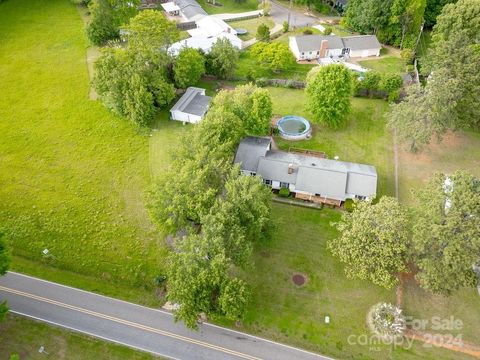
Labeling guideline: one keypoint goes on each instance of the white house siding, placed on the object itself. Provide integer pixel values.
(181, 116)
(365, 53)
(292, 43)
(276, 185)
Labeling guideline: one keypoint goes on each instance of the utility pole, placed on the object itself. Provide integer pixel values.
(289, 12)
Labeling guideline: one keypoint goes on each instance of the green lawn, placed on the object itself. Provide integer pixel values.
(251, 26)
(73, 175)
(363, 138)
(387, 64)
(282, 311)
(24, 337)
(228, 6)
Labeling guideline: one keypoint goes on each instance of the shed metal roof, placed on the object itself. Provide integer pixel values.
(193, 102)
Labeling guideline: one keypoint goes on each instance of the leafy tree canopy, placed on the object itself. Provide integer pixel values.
(446, 234)
(373, 242)
(329, 92)
(222, 59)
(151, 31)
(188, 68)
(275, 56)
(263, 33)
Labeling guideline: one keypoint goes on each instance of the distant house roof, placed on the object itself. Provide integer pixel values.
(211, 26)
(190, 8)
(313, 42)
(361, 42)
(193, 102)
(204, 43)
(331, 178)
(170, 6)
(250, 150)
(357, 42)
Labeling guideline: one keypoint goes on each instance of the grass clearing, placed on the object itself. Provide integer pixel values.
(387, 64)
(73, 174)
(363, 139)
(228, 6)
(24, 337)
(251, 26)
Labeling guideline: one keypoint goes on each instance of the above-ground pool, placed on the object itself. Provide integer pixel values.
(294, 128)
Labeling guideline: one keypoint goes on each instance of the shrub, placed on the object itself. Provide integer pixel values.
(407, 55)
(393, 96)
(328, 30)
(386, 320)
(261, 82)
(285, 26)
(307, 32)
(284, 192)
(349, 205)
(263, 33)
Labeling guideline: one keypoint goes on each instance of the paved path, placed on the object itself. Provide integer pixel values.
(235, 16)
(279, 13)
(135, 326)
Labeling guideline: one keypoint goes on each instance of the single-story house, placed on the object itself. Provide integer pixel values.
(311, 47)
(211, 26)
(204, 43)
(192, 106)
(309, 177)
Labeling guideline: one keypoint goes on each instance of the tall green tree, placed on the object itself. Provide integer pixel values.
(329, 92)
(4, 265)
(455, 49)
(222, 59)
(446, 233)
(150, 31)
(251, 104)
(433, 9)
(102, 26)
(274, 56)
(374, 241)
(188, 68)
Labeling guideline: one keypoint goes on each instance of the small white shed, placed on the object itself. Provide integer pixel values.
(191, 107)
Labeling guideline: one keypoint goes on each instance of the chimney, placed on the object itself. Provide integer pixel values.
(290, 168)
(323, 49)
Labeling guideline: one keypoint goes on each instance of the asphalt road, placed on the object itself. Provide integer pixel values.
(297, 18)
(135, 326)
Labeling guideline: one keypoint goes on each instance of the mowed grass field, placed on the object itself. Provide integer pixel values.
(73, 175)
(24, 337)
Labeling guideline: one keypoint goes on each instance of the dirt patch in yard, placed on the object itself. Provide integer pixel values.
(299, 279)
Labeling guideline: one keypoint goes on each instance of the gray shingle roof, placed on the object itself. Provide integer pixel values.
(313, 42)
(190, 8)
(250, 150)
(331, 178)
(357, 42)
(193, 102)
(361, 42)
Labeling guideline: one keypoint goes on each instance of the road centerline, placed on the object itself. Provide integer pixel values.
(129, 323)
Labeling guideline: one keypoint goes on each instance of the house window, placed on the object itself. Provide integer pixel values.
(253, 174)
(318, 52)
(303, 53)
(359, 197)
(310, 53)
(284, 185)
(267, 182)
